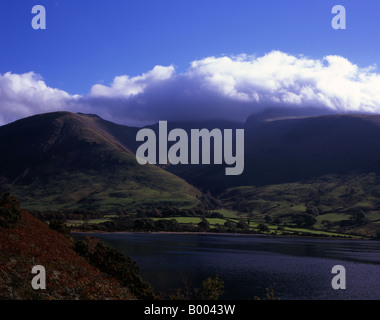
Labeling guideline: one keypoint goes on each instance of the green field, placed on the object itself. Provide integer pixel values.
(194, 220)
(334, 201)
(229, 213)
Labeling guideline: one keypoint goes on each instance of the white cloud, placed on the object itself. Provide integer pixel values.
(229, 88)
(332, 82)
(124, 86)
(26, 94)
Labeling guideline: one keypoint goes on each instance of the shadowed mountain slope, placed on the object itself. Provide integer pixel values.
(289, 149)
(63, 160)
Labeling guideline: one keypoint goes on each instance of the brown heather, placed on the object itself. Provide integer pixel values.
(68, 276)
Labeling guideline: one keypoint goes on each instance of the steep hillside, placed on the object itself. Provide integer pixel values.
(31, 242)
(286, 150)
(62, 160)
(348, 204)
(290, 149)
(326, 167)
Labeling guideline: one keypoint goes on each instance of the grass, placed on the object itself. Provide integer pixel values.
(122, 190)
(91, 221)
(332, 198)
(215, 221)
(110, 178)
(228, 213)
(194, 220)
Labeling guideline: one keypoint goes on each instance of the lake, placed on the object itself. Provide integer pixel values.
(296, 268)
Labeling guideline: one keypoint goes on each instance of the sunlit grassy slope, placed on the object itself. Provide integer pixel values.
(73, 161)
(335, 201)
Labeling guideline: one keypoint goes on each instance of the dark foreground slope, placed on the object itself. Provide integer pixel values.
(63, 160)
(31, 242)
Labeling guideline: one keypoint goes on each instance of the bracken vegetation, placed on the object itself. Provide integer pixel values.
(26, 241)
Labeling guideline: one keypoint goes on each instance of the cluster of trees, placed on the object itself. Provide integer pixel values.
(10, 211)
(211, 289)
(140, 224)
(115, 264)
(209, 202)
(168, 212)
(81, 214)
(171, 225)
(60, 226)
(304, 220)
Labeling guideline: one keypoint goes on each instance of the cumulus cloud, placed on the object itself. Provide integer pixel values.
(228, 88)
(124, 86)
(22, 95)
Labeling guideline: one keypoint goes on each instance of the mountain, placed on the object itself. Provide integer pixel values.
(282, 149)
(326, 166)
(300, 165)
(63, 160)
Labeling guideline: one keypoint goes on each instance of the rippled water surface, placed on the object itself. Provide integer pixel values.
(297, 268)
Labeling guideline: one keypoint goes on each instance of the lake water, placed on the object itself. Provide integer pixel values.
(296, 268)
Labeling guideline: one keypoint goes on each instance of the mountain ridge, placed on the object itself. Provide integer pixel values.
(66, 161)
(290, 149)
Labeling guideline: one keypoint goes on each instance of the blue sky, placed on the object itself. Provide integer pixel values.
(146, 60)
(92, 41)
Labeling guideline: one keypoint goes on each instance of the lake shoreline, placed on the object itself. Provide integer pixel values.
(348, 237)
(294, 267)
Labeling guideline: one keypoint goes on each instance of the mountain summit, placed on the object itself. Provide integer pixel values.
(63, 160)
